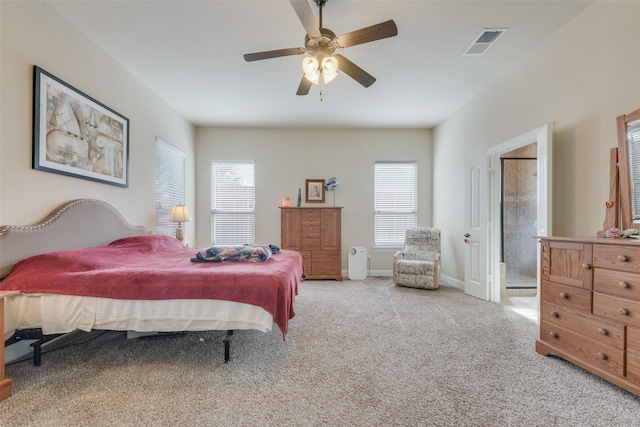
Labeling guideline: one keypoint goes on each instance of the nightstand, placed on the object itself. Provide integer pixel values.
(5, 383)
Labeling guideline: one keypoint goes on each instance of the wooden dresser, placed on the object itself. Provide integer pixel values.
(316, 234)
(590, 306)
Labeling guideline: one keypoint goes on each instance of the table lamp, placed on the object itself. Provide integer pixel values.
(180, 214)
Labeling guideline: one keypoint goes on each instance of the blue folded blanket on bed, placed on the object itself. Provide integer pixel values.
(246, 253)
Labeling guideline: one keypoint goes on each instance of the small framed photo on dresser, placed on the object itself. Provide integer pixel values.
(315, 191)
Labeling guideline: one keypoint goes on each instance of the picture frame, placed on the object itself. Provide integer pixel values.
(314, 191)
(76, 135)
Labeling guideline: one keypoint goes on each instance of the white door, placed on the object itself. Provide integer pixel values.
(475, 235)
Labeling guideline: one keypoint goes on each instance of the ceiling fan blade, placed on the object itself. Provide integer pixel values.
(368, 34)
(355, 72)
(304, 87)
(274, 53)
(303, 10)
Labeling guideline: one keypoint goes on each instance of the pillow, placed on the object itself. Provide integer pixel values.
(148, 243)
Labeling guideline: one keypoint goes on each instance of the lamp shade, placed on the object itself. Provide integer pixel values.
(310, 65)
(332, 184)
(313, 69)
(330, 65)
(329, 68)
(180, 213)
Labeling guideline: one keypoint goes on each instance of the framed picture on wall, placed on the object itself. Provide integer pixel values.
(75, 135)
(315, 191)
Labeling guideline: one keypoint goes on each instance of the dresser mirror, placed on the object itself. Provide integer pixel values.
(629, 168)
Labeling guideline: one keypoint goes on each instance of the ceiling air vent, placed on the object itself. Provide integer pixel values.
(484, 41)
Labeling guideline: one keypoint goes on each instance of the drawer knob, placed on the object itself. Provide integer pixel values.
(624, 258)
(624, 285)
(555, 314)
(624, 311)
(603, 331)
(586, 266)
(564, 295)
(553, 334)
(602, 355)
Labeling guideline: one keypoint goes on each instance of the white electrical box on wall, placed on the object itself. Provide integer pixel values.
(357, 263)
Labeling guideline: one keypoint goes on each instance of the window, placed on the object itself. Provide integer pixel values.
(170, 178)
(633, 140)
(395, 202)
(232, 202)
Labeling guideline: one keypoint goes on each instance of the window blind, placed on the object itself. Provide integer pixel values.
(395, 202)
(170, 179)
(232, 202)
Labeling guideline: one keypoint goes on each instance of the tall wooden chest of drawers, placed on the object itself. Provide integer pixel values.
(590, 306)
(316, 234)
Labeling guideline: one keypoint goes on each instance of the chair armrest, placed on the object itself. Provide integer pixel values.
(396, 257)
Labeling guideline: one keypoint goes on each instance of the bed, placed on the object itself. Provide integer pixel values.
(84, 267)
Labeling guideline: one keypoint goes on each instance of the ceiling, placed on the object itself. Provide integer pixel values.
(190, 54)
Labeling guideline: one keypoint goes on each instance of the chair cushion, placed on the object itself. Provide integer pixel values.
(422, 243)
(416, 274)
(419, 268)
(419, 254)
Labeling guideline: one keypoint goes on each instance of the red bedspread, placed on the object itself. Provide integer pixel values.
(155, 267)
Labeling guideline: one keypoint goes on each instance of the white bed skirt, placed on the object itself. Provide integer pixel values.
(57, 314)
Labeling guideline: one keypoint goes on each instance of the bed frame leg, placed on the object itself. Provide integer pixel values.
(227, 344)
(37, 345)
(37, 348)
(37, 352)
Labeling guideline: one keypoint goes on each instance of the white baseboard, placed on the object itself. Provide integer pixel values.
(381, 273)
(451, 281)
(371, 273)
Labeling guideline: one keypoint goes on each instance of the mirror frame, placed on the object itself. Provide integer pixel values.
(624, 173)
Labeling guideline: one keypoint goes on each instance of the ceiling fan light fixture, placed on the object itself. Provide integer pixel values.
(329, 64)
(310, 65)
(326, 77)
(329, 68)
(313, 77)
(311, 68)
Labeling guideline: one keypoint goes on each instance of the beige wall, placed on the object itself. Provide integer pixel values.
(580, 79)
(32, 33)
(286, 157)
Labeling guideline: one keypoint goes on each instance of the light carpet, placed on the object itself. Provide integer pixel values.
(357, 354)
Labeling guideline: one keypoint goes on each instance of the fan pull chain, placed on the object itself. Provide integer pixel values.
(321, 99)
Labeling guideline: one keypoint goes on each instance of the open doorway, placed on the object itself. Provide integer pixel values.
(518, 220)
(542, 139)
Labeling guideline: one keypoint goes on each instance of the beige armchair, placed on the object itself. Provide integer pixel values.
(416, 266)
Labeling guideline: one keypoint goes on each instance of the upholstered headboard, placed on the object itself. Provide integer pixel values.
(78, 224)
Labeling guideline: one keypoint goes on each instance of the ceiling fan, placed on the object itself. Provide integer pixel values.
(321, 43)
